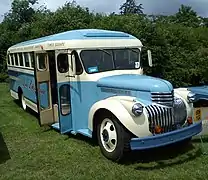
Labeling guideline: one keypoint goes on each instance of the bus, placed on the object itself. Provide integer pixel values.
(91, 82)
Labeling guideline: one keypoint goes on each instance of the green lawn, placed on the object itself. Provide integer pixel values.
(37, 153)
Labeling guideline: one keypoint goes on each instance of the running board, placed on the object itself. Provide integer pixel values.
(56, 126)
(85, 132)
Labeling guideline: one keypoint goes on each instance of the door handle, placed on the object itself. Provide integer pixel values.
(69, 76)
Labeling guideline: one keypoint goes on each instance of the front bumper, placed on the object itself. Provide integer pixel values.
(166, 138)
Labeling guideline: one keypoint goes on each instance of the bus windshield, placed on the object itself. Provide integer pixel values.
(101, 60)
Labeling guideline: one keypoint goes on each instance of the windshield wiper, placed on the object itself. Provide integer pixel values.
(133, 50)
(104, 51)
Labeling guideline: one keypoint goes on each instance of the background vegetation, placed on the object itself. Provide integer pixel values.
(179, 42)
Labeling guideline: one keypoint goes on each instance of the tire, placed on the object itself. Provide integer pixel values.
(113, 138)
(23, 103)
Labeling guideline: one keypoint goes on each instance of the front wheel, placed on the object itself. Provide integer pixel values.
(113, 138)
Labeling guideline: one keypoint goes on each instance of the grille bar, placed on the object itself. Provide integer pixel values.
(160, 116)
(164, 98)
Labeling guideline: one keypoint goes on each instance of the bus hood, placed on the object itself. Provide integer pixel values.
(135, 82)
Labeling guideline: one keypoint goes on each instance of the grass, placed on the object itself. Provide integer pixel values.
(30, 152)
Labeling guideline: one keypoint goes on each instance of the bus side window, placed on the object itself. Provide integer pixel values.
(27, 62)
(16, 59)
(31, 59)
(21, 59)
(42, 62)
(12, 59)
(63, 63)
(65, 99)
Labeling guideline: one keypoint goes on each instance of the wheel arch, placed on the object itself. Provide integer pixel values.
(138, 126)
(20, 92)
(96, 119)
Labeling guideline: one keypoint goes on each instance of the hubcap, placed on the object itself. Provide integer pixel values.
(105, 135)
(108, 135)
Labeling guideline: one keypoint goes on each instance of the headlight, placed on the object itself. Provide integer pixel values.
(180, 112)
(137, 109)
(191, 97)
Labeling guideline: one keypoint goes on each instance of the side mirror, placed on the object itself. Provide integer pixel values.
(149, 53)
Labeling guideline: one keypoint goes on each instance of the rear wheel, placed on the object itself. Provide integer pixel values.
(113, 138)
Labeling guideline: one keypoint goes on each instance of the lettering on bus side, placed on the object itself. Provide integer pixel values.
(116, 91)
(31, 86)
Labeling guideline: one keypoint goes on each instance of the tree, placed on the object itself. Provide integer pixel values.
(187, 16)
(131, 7)
(21, 11)
(205, 22)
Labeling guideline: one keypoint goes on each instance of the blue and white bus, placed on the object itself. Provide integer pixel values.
(91, 82)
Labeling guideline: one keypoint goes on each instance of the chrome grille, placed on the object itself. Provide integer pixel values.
(165, 99)
(160, 116)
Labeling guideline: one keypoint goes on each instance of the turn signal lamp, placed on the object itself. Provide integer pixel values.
(190, 120)
(158, 129)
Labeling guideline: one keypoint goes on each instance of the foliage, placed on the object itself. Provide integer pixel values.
(131, 7)
(3, 77)
(179, 42)
(187, 17)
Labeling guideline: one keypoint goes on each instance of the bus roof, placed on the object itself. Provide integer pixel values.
(62, 39)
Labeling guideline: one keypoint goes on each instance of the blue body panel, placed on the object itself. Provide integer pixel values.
(166, 139)
(27, 83)
(83, 96)
(136, 82)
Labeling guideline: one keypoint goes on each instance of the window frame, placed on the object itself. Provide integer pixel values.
(7, 59)
(26, 54)
(38, 65)
(58, 60)
(15, 55)
(31, 60)
(77, 59)
(12, 60)
(70, 107)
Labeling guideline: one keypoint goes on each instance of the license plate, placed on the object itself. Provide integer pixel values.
(197, 115)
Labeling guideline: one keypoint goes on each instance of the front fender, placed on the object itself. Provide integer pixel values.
(182, 93)
(119, 106)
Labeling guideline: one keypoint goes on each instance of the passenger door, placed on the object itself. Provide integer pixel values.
(43, 89)
(63, 63)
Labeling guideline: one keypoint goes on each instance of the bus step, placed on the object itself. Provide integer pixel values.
(56, 126)
(85, 132)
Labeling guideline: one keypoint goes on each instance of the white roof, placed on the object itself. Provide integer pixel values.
(78, 39)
